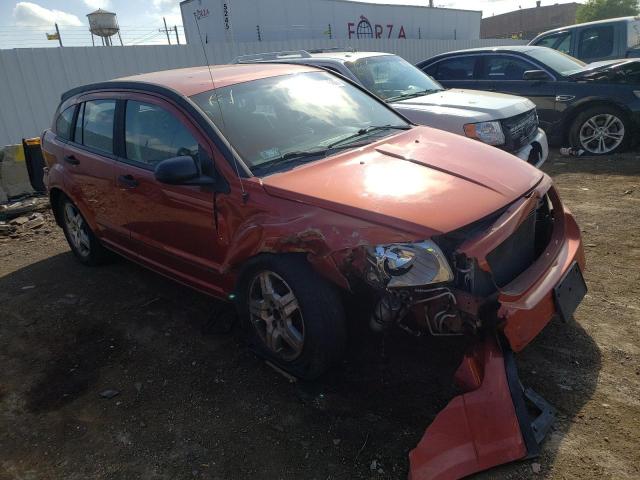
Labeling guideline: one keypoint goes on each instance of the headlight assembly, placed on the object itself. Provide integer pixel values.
(407, 265)
(487, 132)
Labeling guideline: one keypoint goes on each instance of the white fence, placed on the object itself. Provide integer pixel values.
(32, 80)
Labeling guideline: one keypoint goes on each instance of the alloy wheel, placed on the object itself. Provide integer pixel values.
(275, 314)
(77, 229)
(602, 133)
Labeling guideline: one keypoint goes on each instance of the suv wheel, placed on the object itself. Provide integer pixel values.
(84, 244)
(600, 131)
(295, 318)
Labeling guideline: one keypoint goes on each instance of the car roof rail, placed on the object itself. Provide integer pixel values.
(271, 56)
(332, 49)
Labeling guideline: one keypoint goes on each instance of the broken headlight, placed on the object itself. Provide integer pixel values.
(407, 265)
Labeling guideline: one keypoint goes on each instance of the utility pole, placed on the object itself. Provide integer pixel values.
(166, 30)
(58, 33)
(175, 29)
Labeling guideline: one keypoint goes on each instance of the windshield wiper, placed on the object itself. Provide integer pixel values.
(291, 157)
(404, 96)
(366, 130)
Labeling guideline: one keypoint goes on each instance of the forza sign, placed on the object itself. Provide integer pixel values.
(363, 29)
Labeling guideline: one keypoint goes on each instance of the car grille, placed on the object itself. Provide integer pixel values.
(519, 129)
(523, 246)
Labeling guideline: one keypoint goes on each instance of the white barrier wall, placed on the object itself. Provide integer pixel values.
(32, 80)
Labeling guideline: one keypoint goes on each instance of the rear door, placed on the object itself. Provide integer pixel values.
(505, 71)
(89, 166)
(597, 42)
(172, 226)
(456, 72)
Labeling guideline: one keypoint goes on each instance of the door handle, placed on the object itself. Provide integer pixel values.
(71, 160)
(127, 181)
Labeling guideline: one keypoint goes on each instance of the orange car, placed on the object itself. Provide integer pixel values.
(277, 186)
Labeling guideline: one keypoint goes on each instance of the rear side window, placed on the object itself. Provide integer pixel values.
(596, 42)
(504, 67)
(152, 134)
(96, 120)
(458, 68)
(64, 121)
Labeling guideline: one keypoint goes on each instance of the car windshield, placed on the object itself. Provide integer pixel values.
(558, 61)
(392, 78)
(304, 115)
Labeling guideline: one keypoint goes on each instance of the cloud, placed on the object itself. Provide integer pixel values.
(95, 4)
(31, 14)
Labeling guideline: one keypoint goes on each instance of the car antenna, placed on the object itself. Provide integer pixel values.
(245, 195)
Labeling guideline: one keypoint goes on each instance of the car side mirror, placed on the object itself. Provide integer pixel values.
(536, 75)
(176, 170)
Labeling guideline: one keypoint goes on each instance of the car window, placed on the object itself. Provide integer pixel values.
(555, 60)
(63, 123)
(457, 68)
(558, 41)
(504, 67)
(97, 125)
(391, 77)
(153, 134)
(268, 118)
(596, 42)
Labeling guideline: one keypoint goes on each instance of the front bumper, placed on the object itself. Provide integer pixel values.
(537, 151)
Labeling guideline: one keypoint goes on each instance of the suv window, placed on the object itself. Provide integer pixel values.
(152, 134)
(63, 123)
(558, 41)
(457, 68)
(504, 67)
(97, 125)
(596, 42)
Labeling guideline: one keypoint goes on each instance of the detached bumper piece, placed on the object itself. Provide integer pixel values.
(489, 425)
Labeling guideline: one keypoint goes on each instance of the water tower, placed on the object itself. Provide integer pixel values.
(105, 25)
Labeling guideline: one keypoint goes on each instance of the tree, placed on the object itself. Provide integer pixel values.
(603, 9)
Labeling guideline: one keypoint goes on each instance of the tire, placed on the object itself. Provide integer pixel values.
(82, 241)
(308, 332)
(608, 127)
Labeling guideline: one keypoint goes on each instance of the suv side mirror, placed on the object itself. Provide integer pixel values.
(176, 170)
(536, 75)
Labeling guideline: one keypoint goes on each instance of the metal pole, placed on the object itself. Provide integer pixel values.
(93, 42)
(121, 44)
(58, 32)
(166, 30)
(175, 29)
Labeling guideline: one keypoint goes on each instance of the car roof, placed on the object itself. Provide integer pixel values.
(346, 56)
(194, 80)
(586, 24)
(512, 48)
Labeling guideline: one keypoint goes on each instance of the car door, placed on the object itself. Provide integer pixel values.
(505, 72)
(456, 72)
(89, 165)
(172, 227)
(560, 41)
(596, 42)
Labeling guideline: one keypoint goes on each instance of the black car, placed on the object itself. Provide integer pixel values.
(595, 107)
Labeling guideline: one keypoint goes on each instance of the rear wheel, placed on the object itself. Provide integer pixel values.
(600, 131)
(294, 317)
(84, 244)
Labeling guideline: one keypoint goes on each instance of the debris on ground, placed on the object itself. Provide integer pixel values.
(535, 467)
(109, 393)
(28, 225)
(571, 152)
(23, 206)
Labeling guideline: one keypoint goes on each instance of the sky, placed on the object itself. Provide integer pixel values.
(24, 23)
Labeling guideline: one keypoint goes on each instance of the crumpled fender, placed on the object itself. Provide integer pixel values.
(480, 428)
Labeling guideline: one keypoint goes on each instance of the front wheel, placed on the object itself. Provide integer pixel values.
(600, 131)
(294, 316)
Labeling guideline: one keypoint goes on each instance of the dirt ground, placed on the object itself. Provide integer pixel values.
(193, 404)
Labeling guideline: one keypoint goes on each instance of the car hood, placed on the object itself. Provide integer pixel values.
(423, 180)
(474, 104)
(604, 66)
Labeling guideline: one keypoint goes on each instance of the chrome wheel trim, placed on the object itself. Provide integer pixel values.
(276, 315)
(77, 229)
(602, 133)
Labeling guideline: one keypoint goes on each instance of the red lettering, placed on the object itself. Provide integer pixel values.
(350, 26)
(402, 34)
(378, 31)
(390, 27)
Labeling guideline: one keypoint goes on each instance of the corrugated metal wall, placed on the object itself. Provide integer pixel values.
(32, 80)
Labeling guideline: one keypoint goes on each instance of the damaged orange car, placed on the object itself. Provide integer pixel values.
(278, 186)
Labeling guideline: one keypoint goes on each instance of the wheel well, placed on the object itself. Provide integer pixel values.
(55, 194)
(585, 106)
